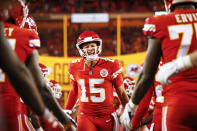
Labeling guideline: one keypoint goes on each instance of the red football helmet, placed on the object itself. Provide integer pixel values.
(55, 88)
(86, 37)
(30, 23)
(19, 12)
(129, 85)
(169, 3)
(133, 70)
(45, 70)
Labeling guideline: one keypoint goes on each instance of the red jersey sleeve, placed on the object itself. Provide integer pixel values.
(72, 97)
(142, 108)
(32, 41)
(152, 28)
(70, 71)
(116, 76)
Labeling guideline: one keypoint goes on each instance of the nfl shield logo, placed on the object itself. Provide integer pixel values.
(104, 72)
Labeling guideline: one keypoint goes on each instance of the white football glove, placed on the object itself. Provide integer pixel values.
(129, 110)
(171, 68)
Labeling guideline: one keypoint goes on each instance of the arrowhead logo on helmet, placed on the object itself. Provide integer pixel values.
(88, 37)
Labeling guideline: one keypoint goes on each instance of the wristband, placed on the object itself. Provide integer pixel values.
(183, 63)
(187, 62)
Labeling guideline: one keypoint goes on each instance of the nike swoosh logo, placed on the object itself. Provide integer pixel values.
(108, 120)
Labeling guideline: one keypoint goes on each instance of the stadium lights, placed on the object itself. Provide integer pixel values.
(89, 18)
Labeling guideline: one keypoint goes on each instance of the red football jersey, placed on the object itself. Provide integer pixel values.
(95, 86)
(23, 42)
(177, 34)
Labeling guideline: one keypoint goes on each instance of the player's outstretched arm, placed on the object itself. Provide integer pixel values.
(122, 95)
(49, 100)
(125, 117)
(147, 76)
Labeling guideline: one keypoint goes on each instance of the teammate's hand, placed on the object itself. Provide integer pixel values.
(173, 68)
(125, 118)
(50, 123)
(165, 72)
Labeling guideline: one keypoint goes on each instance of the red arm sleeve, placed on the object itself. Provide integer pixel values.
(142, 108)
(72, 97)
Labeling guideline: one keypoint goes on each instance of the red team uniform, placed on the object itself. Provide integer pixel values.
(23, 42)
(95, 92)
(177, 34)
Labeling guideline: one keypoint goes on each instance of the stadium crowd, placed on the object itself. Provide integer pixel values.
(98, 6)
(92, 6)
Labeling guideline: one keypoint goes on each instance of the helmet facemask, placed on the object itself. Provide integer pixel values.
(90, 53)
(89, 37)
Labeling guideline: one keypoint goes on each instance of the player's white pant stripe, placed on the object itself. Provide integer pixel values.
(20, 123)
(116, 122)
(28, 124)
(164, 117)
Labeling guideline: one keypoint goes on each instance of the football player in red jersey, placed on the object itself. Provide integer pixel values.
(93, 80)
(23, 83)
(172, 36)
(24, 43)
